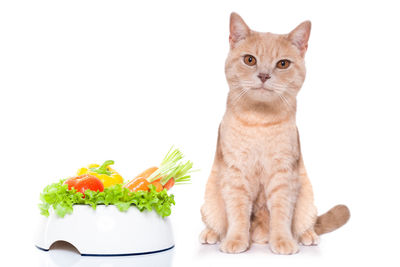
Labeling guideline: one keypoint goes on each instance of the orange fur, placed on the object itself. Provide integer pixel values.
(258, 189)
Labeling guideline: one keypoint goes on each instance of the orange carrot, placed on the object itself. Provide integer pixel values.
(158, 186)
(138, 184)
(169, 184)
(146, 174)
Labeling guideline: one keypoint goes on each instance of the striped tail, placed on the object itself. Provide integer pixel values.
(332, 220)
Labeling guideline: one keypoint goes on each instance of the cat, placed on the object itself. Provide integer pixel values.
(258, 189)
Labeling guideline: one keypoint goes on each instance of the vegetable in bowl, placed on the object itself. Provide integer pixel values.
(62, 200)
(172, 171)
(105, 173)
(148, 191)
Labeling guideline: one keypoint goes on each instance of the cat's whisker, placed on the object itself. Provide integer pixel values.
(241, 94)
(289, 89)
(284, 99)
(244, 91)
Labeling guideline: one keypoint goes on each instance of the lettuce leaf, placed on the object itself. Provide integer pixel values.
(62, 200)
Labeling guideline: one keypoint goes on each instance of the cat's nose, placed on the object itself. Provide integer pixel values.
(263, 76)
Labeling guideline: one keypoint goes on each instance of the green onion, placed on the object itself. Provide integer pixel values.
(173, 166)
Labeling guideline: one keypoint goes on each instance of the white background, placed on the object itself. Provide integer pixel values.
(87, 81)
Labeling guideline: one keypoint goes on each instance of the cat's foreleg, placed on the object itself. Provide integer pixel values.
(281, 198)
(213, 216)
(213, 210)
(238, 210)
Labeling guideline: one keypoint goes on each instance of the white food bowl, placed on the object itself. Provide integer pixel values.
(107, 231)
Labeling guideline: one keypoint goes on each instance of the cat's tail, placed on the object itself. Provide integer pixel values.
(332, 220)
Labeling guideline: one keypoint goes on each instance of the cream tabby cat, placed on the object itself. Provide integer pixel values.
(258, 189)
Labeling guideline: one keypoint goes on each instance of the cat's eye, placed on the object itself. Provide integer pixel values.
(249, 60)
(283, 64)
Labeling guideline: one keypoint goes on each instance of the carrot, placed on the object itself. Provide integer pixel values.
(146, 174)
(168, 184)
(158, 186)
(138, 184)
(171, 171)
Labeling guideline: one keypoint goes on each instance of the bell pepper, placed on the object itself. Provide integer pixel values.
(105, 173)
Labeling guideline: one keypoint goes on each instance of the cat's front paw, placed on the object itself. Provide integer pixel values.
(309, 238)
(208, 236)
(234, 245)
(284, 245)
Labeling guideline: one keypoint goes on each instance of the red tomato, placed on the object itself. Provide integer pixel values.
(71, 182)
(84, 182)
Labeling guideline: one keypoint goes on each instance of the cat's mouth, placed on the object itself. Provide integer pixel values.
(263, 89)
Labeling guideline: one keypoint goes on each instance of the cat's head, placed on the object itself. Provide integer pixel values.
(266, 66)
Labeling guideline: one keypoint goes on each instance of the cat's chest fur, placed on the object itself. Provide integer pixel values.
(253, 148)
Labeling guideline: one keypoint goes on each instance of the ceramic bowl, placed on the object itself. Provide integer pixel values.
(107, 231)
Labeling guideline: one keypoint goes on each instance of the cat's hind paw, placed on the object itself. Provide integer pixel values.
(309, 238)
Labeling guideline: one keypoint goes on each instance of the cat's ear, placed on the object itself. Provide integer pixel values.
(238, 29)
(299, 36)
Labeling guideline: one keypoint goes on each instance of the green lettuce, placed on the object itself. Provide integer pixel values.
(62, 200)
